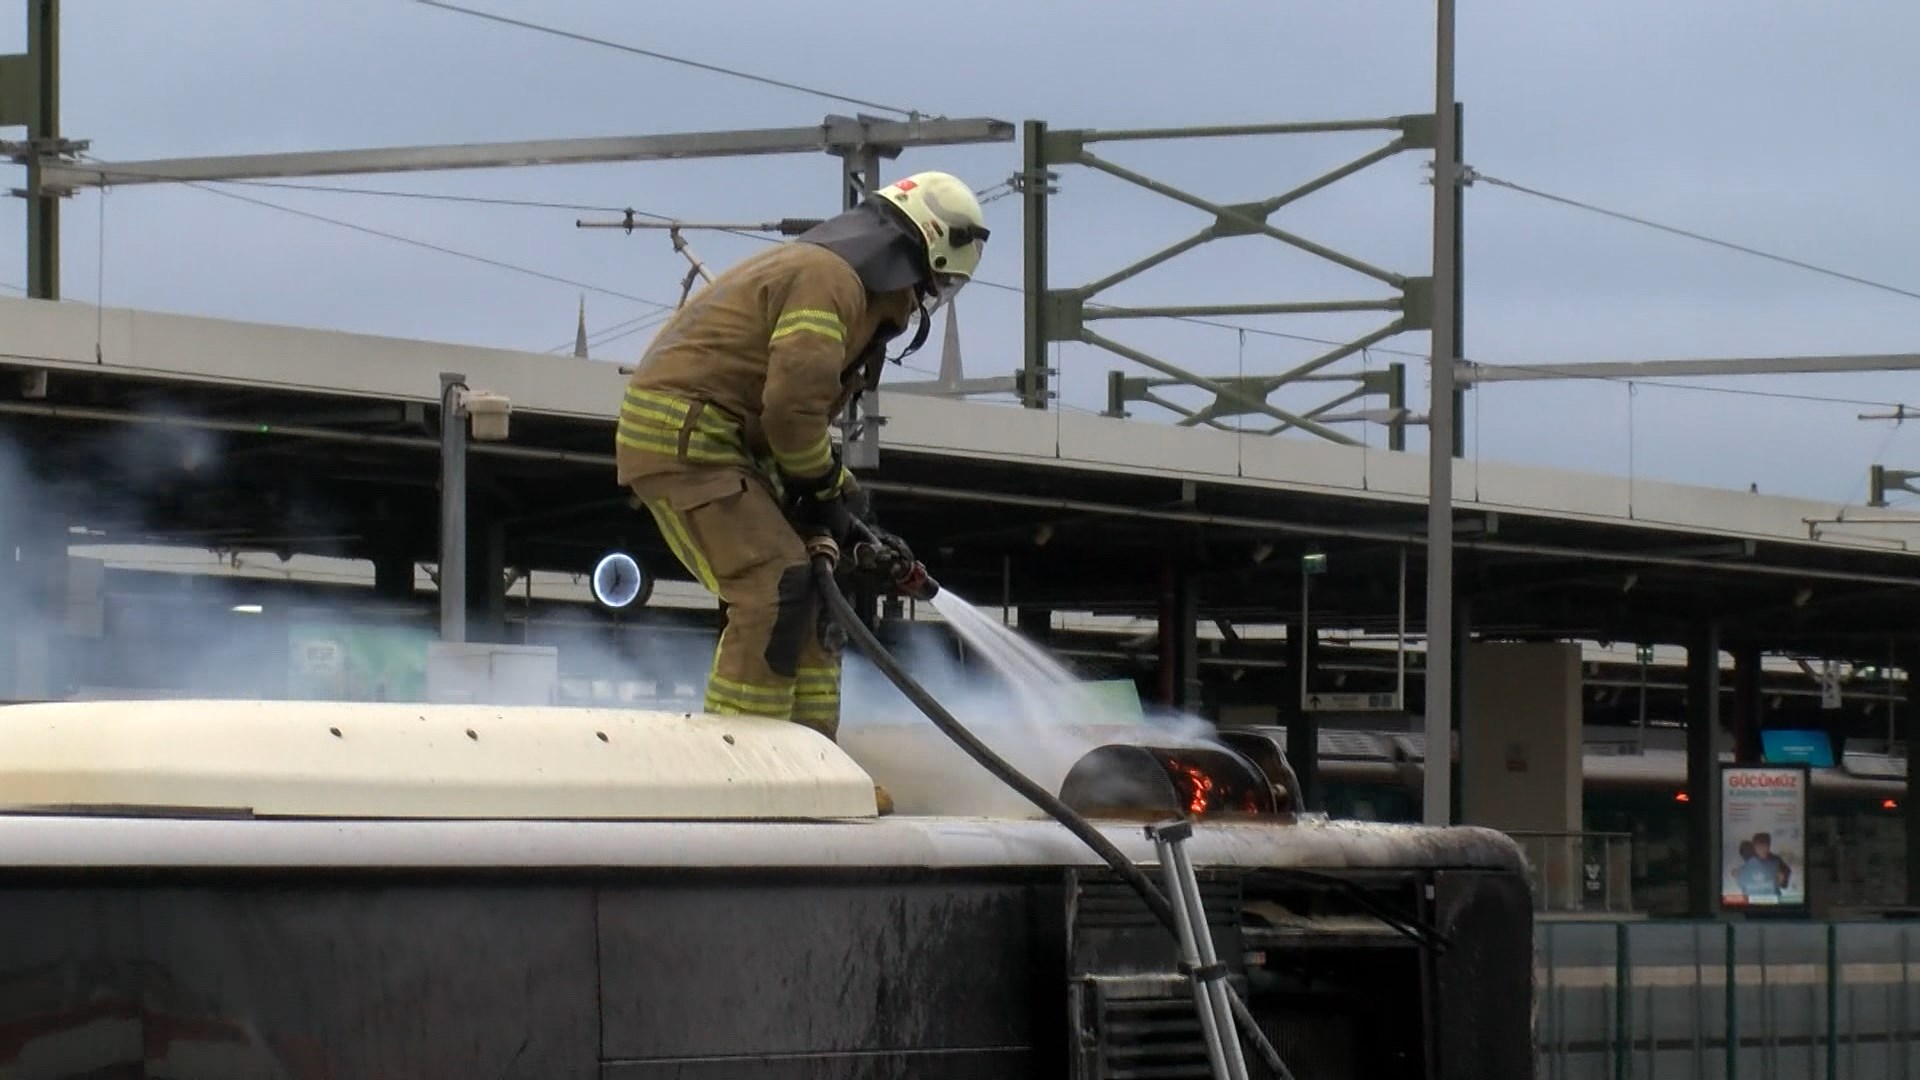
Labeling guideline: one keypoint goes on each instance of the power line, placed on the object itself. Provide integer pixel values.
(1480, 177)
(670, 58)
(431, 196)
(11, 287)
(1779, 395)
(629, 327)
(481, 200)
(410, 241)
(627, 333)
(397, 238)
(607, 333)
(437, 196)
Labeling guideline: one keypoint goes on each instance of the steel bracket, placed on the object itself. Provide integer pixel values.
(21, 151)
(842, 142)
(1239, 218)
(1063, 147)
(1046, 181)
(1416, 303)
(1066, 314)
(32, 152)
(15, 78)
(1382, 381)
(1033, 384)
(1421, 130)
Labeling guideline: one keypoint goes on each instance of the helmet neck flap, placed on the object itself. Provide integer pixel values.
(877, 244)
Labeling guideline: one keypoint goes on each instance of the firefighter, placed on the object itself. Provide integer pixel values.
(723, 431)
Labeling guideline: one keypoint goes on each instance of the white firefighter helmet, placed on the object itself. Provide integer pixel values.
(948, 217)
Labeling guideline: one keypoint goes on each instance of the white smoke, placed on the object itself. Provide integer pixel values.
(169, 627)
(1023, 704)
(190, 635)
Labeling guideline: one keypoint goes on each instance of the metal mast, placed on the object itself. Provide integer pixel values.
(1439, 697)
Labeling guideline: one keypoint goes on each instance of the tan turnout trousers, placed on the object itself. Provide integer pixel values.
(737, 391)
(725, 525)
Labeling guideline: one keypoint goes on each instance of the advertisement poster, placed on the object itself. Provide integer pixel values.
(1763, 836)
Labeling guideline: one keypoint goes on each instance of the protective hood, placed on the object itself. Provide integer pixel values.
(876, 244)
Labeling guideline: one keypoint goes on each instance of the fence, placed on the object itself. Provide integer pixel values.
(1651, 1000)
(1580, 872)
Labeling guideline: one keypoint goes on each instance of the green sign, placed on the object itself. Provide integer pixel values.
(1119, 699)
(346, 662)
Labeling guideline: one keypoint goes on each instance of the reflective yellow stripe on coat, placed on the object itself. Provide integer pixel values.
(812, 461)
(654, 422)
(809, 320)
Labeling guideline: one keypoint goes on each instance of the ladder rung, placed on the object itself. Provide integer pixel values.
(1202, 1070)
(1149, 1004)
(1158, 1050)
(1139, 1028)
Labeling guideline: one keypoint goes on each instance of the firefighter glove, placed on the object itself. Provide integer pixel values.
(829, 503)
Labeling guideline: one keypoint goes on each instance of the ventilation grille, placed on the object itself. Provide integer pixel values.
(1110, 904)
(1147, 1038)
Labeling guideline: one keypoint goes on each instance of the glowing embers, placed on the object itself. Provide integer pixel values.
(1150, 782)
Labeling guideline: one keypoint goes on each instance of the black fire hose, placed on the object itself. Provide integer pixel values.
(949, 725)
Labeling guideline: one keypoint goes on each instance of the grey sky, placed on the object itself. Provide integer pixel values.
(1783, 126)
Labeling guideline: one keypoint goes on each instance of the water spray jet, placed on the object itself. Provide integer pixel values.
(1155, 900)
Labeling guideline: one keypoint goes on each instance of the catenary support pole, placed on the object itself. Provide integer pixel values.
(43, 132)
(1909, 805)
(453, 509)
(1703, 770)
(1034, 192)
(1438, 799)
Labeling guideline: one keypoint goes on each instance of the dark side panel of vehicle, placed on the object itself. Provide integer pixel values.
(692, 974)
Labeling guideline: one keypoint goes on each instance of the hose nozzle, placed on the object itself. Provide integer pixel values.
(917, 583)
(888, 557)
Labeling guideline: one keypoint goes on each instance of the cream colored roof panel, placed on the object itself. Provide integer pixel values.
(384, 760)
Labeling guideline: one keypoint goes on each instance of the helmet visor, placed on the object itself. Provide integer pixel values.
(967, 233)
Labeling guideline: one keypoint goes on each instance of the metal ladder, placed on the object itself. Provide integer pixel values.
(1203, 969)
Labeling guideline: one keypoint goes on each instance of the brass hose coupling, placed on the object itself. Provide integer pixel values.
(820, 545)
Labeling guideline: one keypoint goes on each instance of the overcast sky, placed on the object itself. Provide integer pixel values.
(1784, 126)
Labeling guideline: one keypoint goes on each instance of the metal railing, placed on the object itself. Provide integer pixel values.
(1587, 873)
(1631, 1000)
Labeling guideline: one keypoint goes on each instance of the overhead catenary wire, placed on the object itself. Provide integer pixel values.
(665, 221)
(671, 58)
(1780, 395)
(442, 249)
(1194, 320)
(612, 332)
(629, 326)
(596, 338)
(616, 333)
(456, 253)
(441, 196)
(1482, 178)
